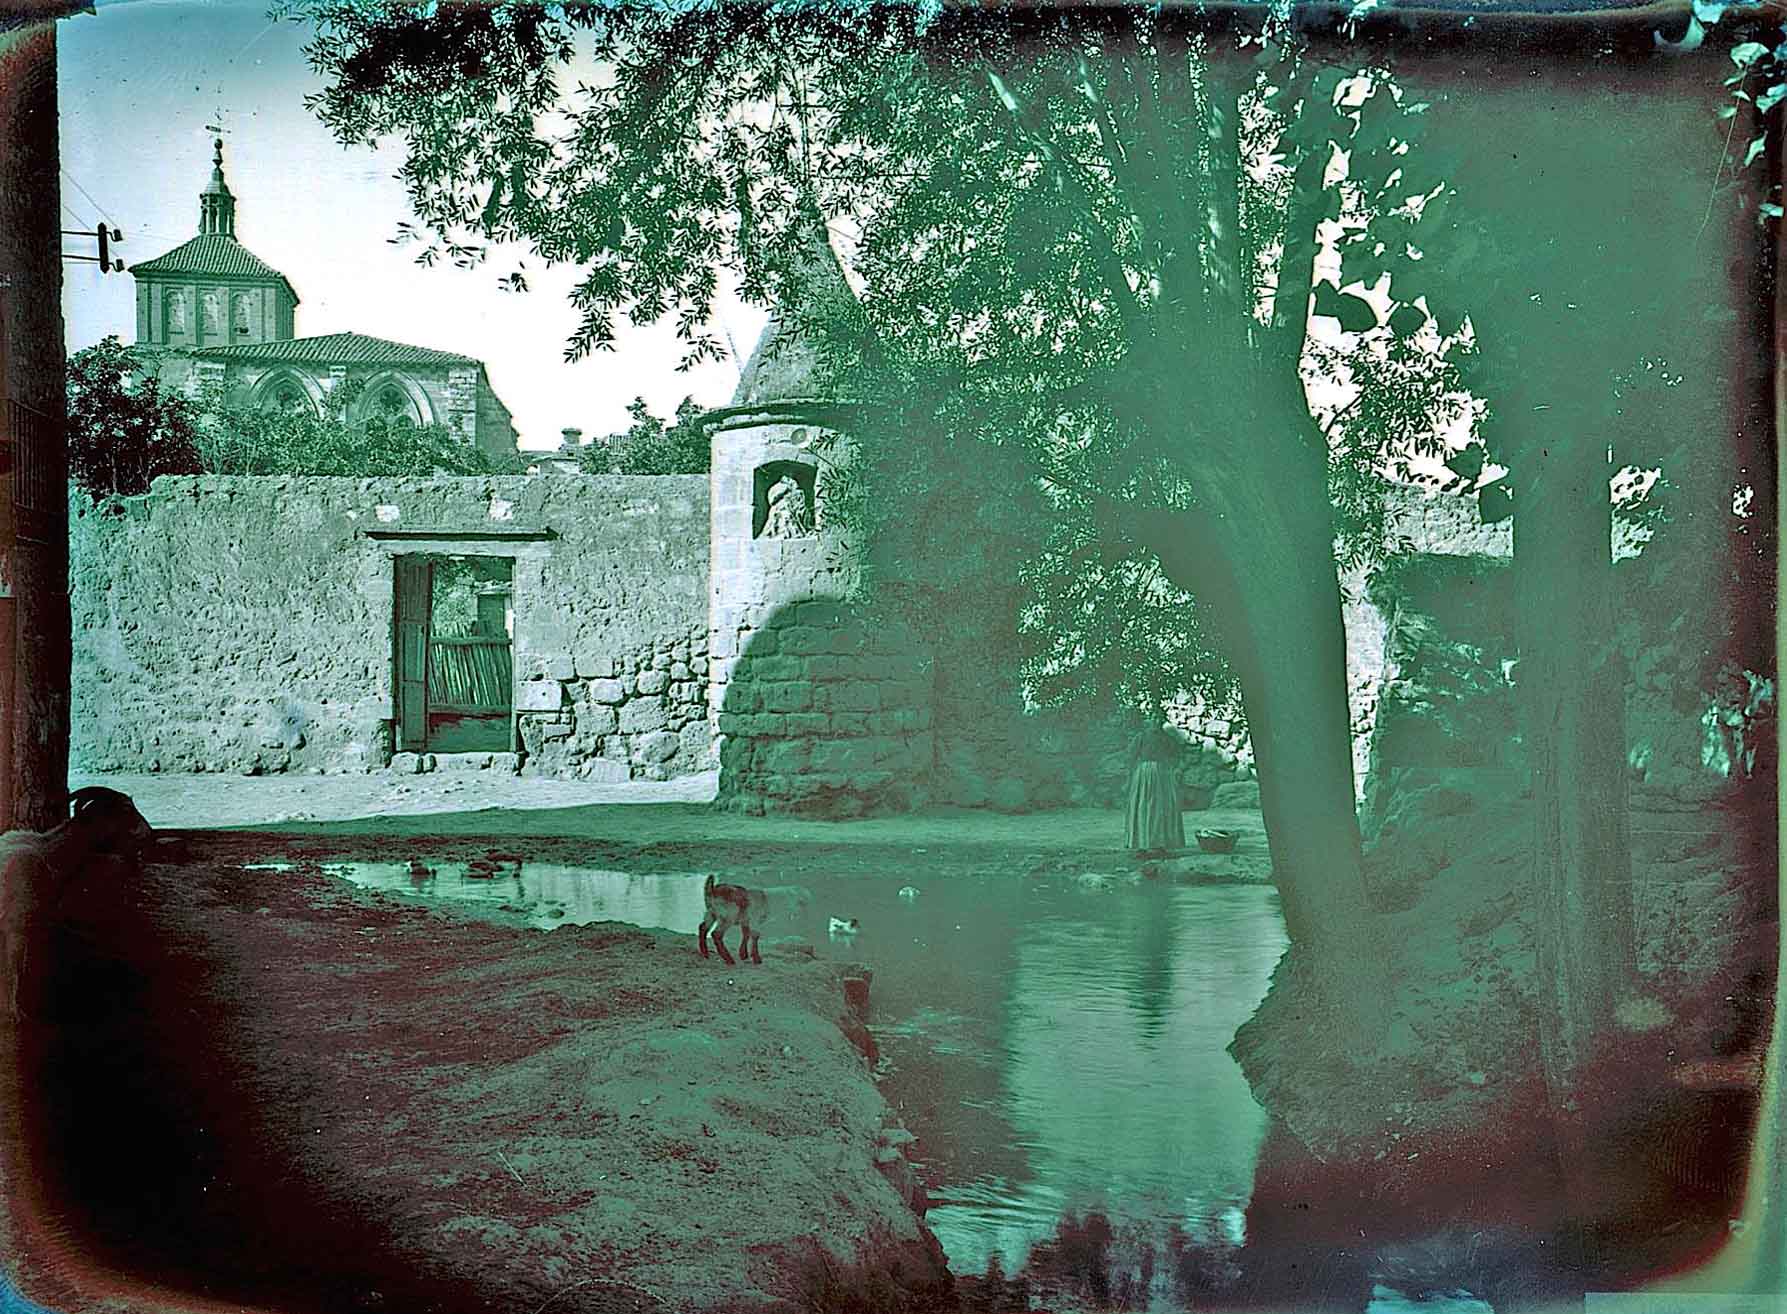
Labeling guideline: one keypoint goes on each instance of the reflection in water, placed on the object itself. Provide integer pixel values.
(1058, 1048)
(544, 894)
(1117, 1082)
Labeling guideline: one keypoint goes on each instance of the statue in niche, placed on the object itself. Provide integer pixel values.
(788, 514)
(176, 312)
(213, 312)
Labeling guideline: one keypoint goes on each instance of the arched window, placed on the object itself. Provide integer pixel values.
(390, 410)
(244, 314)
(285, 394)
(289, 399)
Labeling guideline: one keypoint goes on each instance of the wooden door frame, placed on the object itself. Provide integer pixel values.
(402, 564)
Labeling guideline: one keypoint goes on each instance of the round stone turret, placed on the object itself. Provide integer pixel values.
(818, 706)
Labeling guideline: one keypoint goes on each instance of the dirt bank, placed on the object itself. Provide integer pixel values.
(1445, 1118)
(273, 1090)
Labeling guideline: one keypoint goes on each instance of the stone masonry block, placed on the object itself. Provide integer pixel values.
(805, 640)
(790, 696)
(844, 756)
(597, 720)
(643, 715)
(539, 696)
(884, 668)
(658, 746)
(607, 691)
(561, 666)
(653, 682)
(781, 667)
(846, 640)
(857, 696)
(594, 668)
(809, 723)
(787, 756)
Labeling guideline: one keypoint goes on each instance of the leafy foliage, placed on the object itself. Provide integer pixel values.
(1081, 250)
(244, 440)
(649, 446)
(1758, 85)
(124, 430)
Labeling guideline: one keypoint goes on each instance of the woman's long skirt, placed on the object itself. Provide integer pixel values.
(1155, 822)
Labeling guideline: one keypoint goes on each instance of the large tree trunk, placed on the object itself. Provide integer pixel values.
(1573, 696)
(1260, 560)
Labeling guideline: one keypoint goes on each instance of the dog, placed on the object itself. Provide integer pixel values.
(36, 869)
(750, 909)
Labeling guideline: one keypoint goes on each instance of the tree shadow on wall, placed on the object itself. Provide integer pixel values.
(826, 712)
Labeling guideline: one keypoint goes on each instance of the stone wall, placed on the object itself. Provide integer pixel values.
(1448, 671)
(246, 624)
(826, 711)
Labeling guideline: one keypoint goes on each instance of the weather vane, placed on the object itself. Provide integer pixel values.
(216, 126)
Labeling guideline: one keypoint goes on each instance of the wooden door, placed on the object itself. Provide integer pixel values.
(415, 597)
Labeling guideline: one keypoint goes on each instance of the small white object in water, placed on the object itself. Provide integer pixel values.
(908, 891)
(844, 926)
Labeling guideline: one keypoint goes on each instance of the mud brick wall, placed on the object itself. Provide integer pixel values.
(245, 625)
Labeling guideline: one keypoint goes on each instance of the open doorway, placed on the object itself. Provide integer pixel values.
(455, 654)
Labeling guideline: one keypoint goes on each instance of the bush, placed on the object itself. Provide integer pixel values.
(125, 429)
(238, 440)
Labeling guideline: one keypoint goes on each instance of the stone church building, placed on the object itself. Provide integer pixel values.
(225, 317)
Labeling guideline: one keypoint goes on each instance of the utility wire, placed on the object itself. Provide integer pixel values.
(98, 208)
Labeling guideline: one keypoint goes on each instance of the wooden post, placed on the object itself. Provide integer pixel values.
(35, 656)
(8, 619)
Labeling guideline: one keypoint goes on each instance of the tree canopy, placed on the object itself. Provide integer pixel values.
(1090, 238)
(649, 446)
(124, 429)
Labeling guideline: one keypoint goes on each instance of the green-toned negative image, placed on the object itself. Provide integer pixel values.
(817, 657)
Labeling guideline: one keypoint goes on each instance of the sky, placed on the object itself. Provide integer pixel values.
(140, 79)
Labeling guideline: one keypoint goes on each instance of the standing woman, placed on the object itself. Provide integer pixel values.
(1155, 823)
